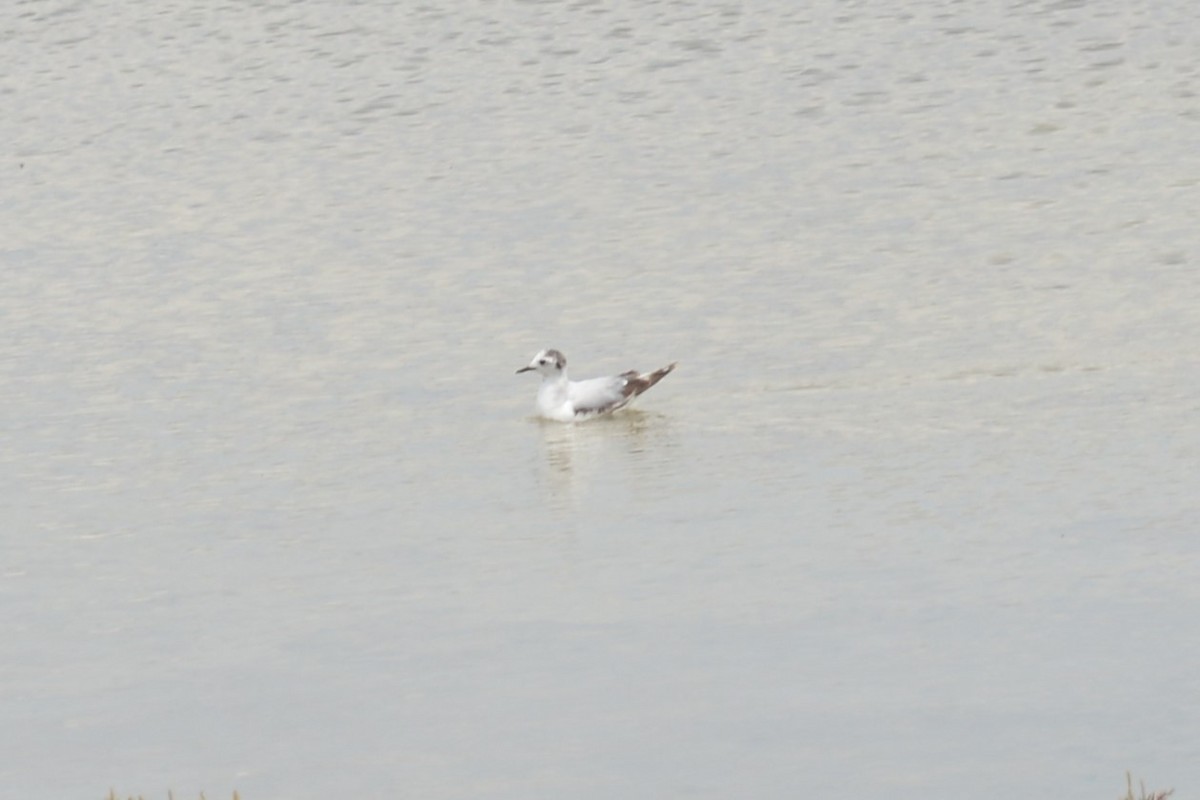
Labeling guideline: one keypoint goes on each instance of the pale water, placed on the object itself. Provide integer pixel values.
(917, 516)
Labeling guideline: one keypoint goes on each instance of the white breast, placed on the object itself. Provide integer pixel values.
(553, 401)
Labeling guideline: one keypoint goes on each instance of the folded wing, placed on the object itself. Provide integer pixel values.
(599, 395)
(602, 395)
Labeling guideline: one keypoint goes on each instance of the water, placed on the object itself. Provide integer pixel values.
(916, 515)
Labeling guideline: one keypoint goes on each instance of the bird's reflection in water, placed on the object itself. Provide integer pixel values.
(625, 447)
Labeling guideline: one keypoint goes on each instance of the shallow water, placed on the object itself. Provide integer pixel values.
(916, 515)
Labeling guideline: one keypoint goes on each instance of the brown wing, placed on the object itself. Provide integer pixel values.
(602, 395)
(636, 383)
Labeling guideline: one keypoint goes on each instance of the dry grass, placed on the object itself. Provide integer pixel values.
(1142, 793)
(112, 795)
(1129, 795)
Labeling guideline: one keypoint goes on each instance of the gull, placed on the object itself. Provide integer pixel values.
(565, 400)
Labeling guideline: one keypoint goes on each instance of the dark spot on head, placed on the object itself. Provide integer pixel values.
(560, 360)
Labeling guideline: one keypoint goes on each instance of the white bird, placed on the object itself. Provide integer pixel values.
(565, 400)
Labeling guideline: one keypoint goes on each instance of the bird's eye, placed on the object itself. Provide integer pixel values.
(542, 361)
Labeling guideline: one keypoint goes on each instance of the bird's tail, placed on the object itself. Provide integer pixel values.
(640, 383)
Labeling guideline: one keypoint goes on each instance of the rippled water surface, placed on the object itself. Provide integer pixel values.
(916, 516)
